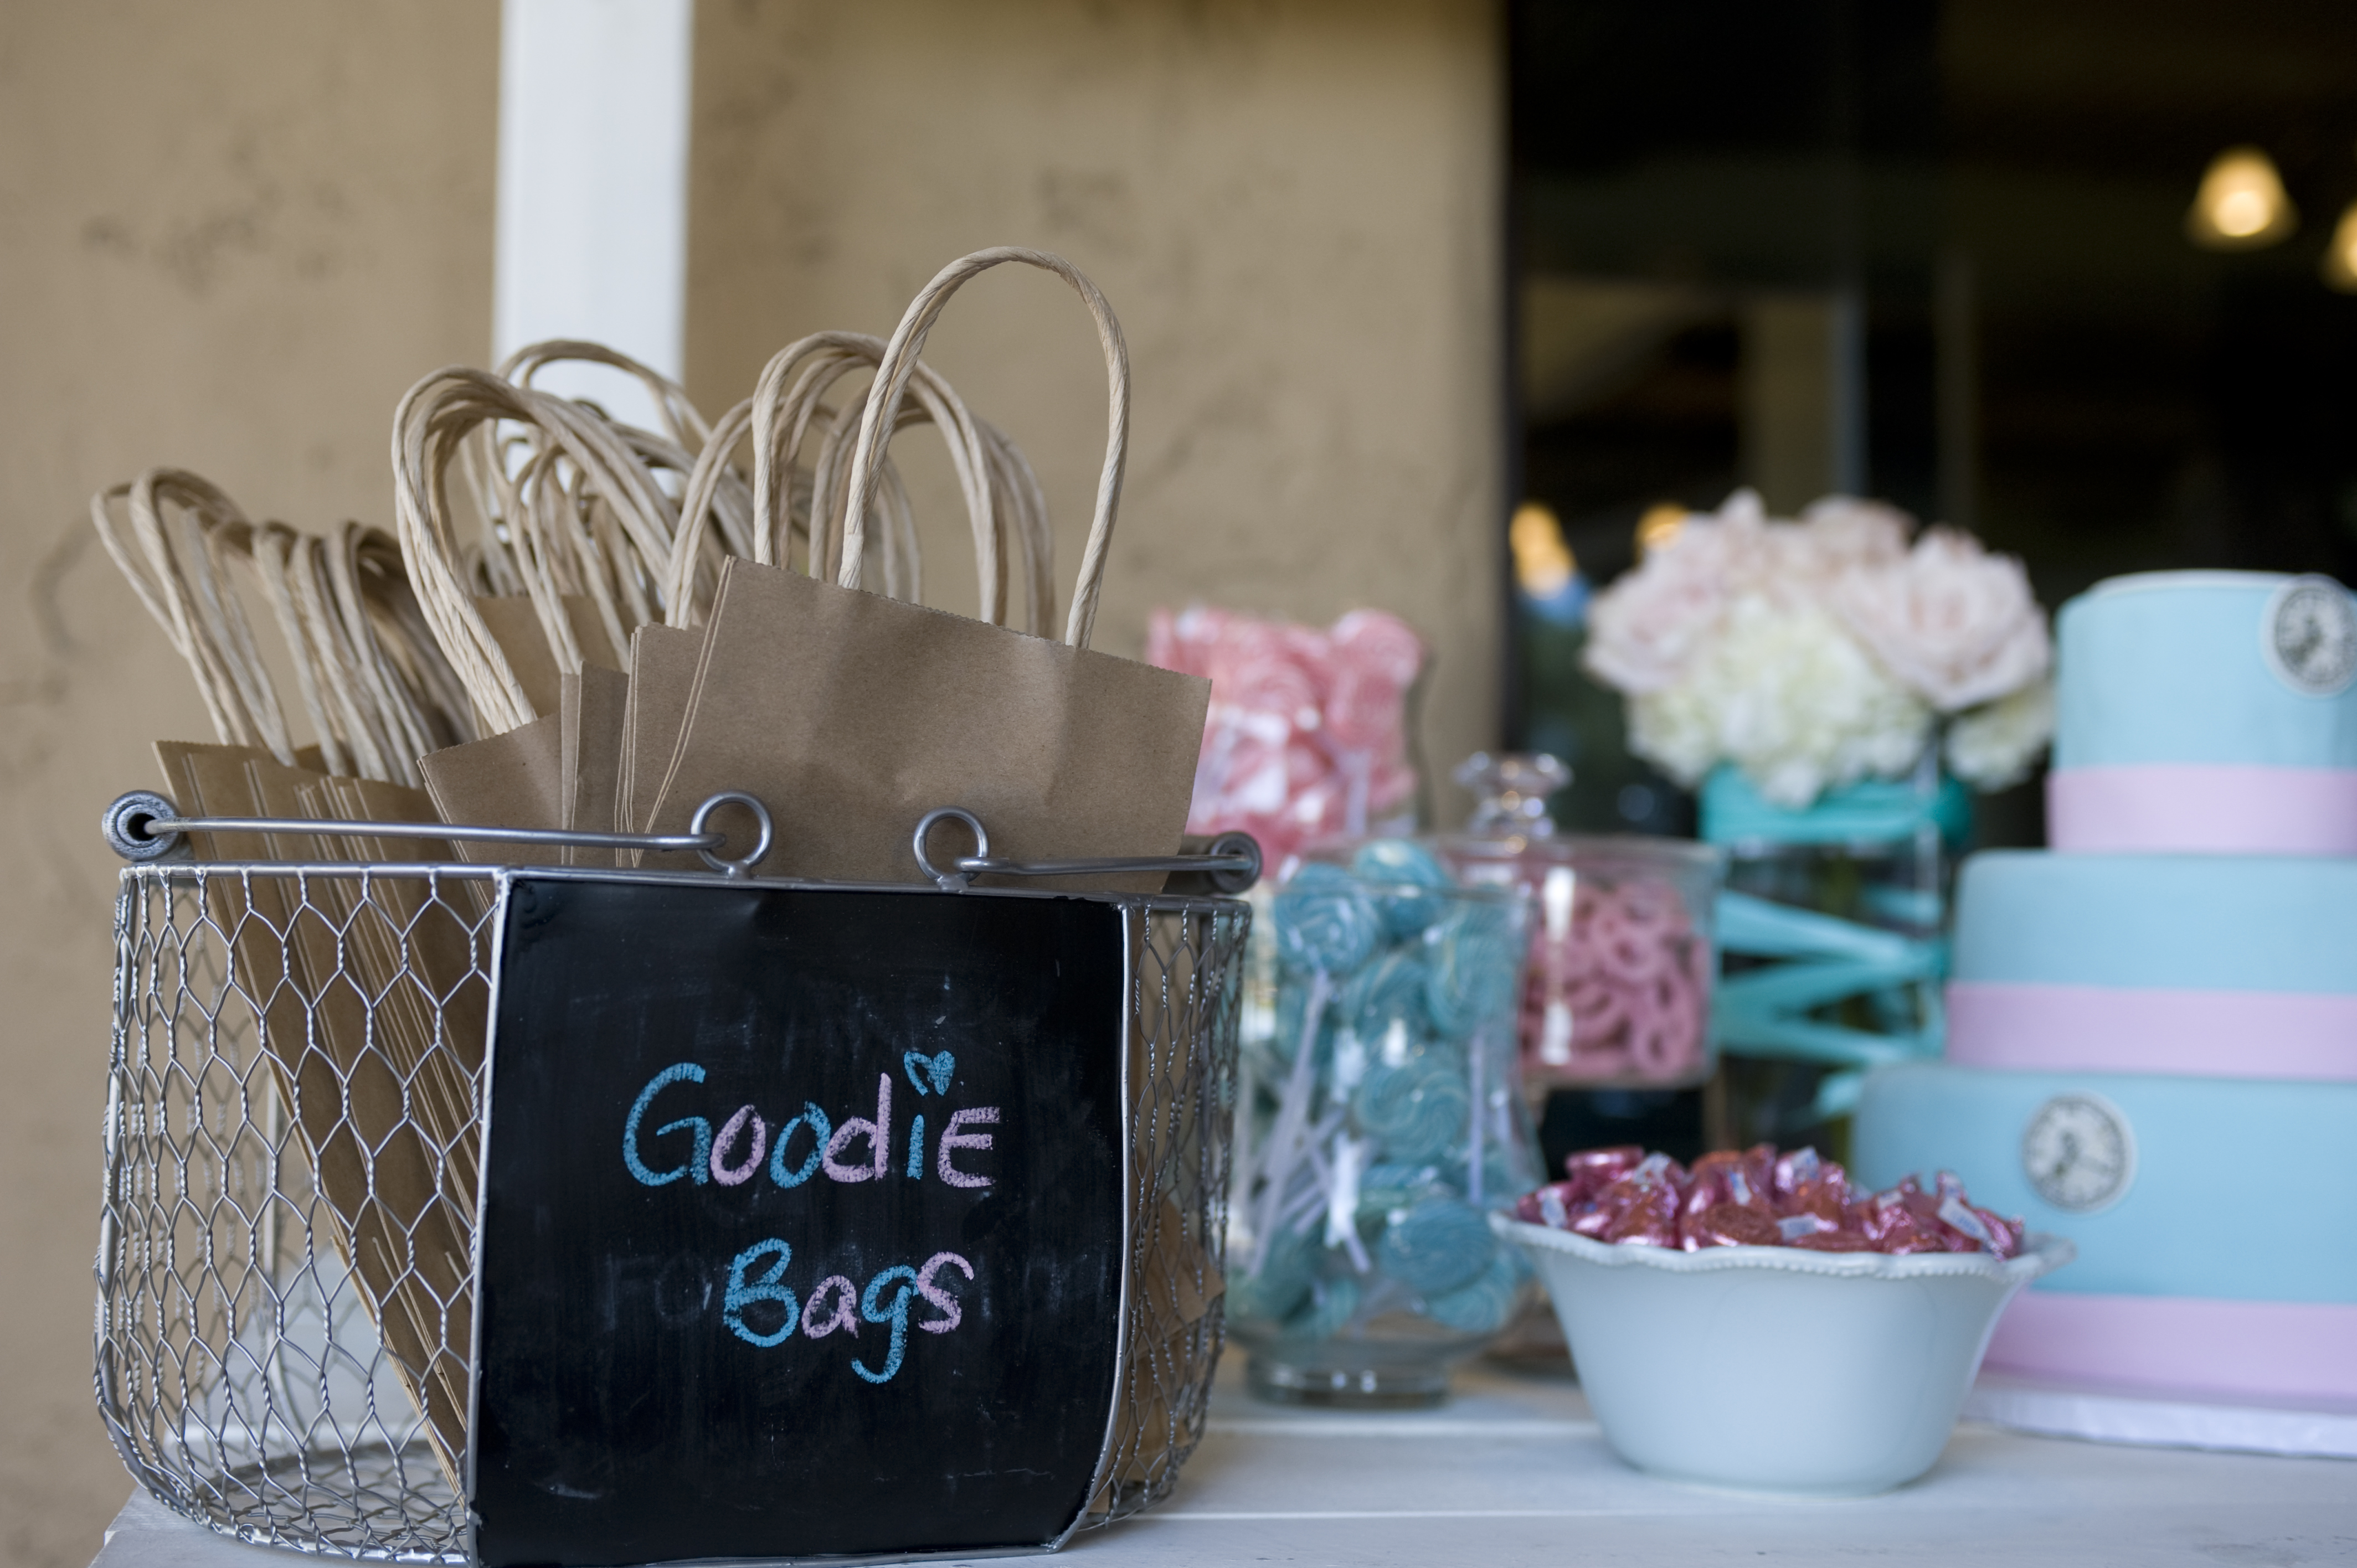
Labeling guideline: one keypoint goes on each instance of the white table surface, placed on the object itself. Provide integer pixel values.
(1513, 1471)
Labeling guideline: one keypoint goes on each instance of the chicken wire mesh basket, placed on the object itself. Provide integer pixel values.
(283, 1273)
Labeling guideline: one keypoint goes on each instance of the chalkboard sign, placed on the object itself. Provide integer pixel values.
(802, 1228)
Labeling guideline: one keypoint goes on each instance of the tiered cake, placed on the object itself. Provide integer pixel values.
(2152, 1028)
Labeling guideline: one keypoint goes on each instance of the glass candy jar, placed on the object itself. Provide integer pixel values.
(1622, 956)
(1383, 1120)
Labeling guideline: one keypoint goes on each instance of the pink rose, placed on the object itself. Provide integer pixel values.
(1645, 628)
(1956, 623)
(1839, 533)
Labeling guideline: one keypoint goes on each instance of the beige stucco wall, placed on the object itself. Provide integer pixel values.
(1293, 206)
(231, 235)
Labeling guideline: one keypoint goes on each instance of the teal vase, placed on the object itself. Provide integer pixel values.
(1832, 931)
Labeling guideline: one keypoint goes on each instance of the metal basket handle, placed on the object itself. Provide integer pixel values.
(144, 827)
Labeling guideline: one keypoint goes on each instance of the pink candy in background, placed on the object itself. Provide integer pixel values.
(1307, 737)
(1756, 1197)
(1620, 995)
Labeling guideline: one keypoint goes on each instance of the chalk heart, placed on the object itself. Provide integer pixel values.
(937, 1067)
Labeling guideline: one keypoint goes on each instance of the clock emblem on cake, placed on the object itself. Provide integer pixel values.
(2310, 631)
(2079, 1153)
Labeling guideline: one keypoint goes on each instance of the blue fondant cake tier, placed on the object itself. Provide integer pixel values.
(2175, 668)
(2217, 1189)
(2258, 923)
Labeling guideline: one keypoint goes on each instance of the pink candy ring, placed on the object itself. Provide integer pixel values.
(1633, 958)
(1578, 955)
(1651, 909)
(1598, 1011)
(1653, 1044)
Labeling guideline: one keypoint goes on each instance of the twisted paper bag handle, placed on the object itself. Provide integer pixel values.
(876, 420)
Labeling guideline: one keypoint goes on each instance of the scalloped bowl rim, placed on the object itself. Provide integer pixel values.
(2040, 1253)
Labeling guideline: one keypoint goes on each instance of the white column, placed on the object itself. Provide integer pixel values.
(592, 227)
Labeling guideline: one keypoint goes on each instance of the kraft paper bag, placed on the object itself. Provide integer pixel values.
(523, 779)
(591, 707)
(663, 660)
(515, 623)
(851, 715)
(388, 1117)
(393, 1167)
(512, 780)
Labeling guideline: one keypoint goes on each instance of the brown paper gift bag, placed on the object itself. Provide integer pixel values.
(851, 715)
(386, 1112)
(374, 685)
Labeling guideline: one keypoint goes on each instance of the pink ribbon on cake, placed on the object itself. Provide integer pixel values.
(2264, 1349)
(2027, 1027)
(2203, 808)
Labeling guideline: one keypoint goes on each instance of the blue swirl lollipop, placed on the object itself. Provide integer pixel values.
(1417, 1111)
(1325, 920)
(1332, 1304)
(1437, 1246)
(1476, 960)
(1482, 1305)
(1387, 1187)
(1278, 1287)
(1393, 987)
(1400, 867)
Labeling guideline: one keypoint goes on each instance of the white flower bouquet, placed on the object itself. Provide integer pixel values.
(1815, 653)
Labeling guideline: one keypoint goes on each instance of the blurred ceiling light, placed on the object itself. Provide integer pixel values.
(2241, 205)
(2341, 256)
(1659, 526)
(1542, 562)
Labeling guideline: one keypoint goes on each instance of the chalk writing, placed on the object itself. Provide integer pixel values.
(952, 1140)
(695, 1166)
(877, 1133)
(744, 1292)
(929, 1074)
(897, 1314)
(847, 1295)
(747, 1290)
(950, 1315)
(821, 1131)
(757, 1306)
(738, 1175)
(858, 1149)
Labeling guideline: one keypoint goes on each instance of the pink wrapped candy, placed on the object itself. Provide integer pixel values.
(1306, 736)
(1759, 1198)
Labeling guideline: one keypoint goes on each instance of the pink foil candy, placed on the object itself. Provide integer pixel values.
(1756, 1198)
(1593, 1170)
(1642, 1208)
(1834, 1242)
(1571, 1204)
(1726, 1175)
(1729, 1224)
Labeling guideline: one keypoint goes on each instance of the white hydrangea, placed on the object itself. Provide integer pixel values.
(1996, 744)
(1786, 693)
(1816, 653)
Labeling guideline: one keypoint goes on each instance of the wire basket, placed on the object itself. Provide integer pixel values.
(275, 1348)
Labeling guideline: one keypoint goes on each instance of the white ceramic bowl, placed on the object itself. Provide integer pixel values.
(1775, 1368)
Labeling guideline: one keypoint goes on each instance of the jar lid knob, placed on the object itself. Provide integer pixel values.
(1513, 788)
